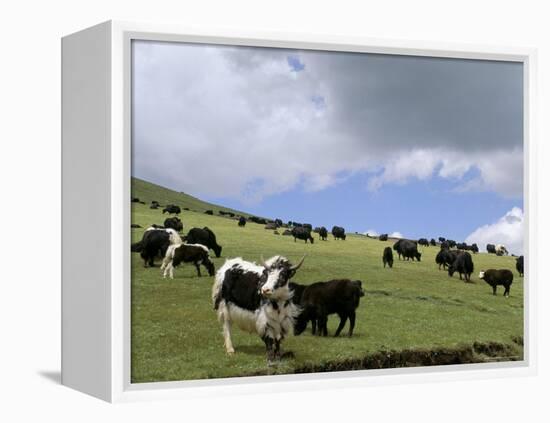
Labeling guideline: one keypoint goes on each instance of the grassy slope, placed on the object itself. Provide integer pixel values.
(175, 334)
(147, 192)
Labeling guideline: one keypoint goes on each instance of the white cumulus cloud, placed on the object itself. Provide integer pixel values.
(508, 230)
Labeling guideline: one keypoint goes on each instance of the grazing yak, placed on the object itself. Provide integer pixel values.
(204, 237)
(383, 237)
(463, 246)
(451, 243)
(445, 257)
(339, 233)
(209, 212)
(441, 239)
(256, 298)
(174, 223)
(491, 249)
(495, 277)
(323, 233)
(519, 265)
(242, 221)
(387, 257)
(135, 225)
(186, 253)
(432, 242)
(441, 258)
(424, 242)
(321, 299)
(473, 248)
(287, 232)
(171, 209)
(155, 242)
(462, 264)
(259, 220)
(301, 232)
(135, 200)
(408, 249)
(501, 250)
(271, 226)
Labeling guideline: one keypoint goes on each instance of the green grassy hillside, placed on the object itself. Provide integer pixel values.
(411, 315)
(147, 192)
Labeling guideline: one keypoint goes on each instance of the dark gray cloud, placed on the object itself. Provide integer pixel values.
(249, 122)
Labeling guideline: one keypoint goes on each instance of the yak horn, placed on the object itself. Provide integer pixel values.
(297, 266)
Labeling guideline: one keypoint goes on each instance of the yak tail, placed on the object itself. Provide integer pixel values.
(136, 247)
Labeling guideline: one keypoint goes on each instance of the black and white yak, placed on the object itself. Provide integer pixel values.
(256, 298)
(186, 253)
(501, 250)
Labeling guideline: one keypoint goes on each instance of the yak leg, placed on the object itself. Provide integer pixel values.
(494, 290)
(351, 323)
(323, 331)
(226, 321)
(313, 326)
(165, 262)
(343, 319)
(269, 348)
(277, 350)
(197, 265)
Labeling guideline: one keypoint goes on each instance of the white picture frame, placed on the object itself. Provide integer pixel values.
(96, 114)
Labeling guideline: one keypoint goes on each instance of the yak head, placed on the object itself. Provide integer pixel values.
(277, 272)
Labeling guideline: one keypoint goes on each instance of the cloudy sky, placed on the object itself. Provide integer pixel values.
(425, 147)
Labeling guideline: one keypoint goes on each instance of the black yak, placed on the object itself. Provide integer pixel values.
(495, 277)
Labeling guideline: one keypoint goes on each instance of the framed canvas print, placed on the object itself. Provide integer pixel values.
(246, 211)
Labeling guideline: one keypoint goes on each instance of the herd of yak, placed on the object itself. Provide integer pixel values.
(261, 298)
